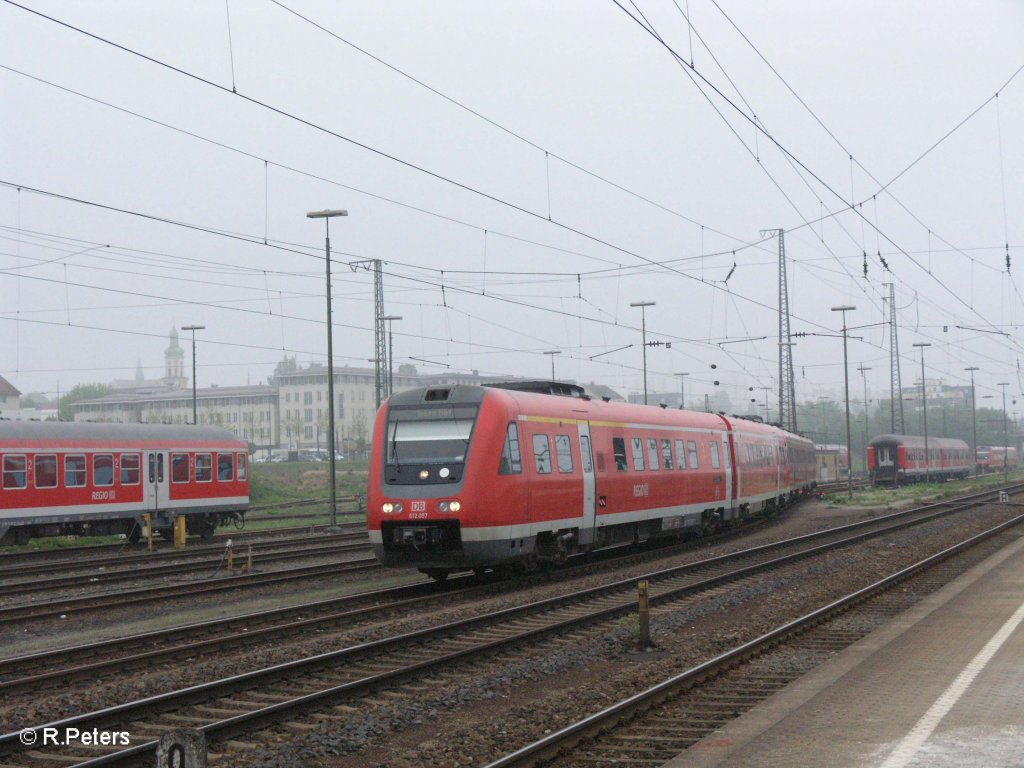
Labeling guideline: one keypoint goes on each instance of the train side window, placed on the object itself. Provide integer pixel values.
(129, 469)
(152, 467)
(541, 454)
(15, 473)
(652, 453)
(725, 452)
(103, 469)
(716, 463)
(681, 454)
(74, 471)
(511, 461)
(638, 454)
(692, 446)
(585, 457)
(204, 467)
(160, 468)
(46, 471)
(179, 468)
(563, 453)
(225, 467)
(619, 449)
(666, 453)
(243, 466)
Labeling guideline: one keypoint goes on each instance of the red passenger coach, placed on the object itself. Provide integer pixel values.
(898, 459)
(467, 477)
(76, 478)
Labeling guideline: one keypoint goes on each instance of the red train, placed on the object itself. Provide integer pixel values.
(992, 458)
(468, 477)
(898, 459)
(76, 478)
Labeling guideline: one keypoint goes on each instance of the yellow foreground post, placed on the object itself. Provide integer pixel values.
(645, 615)
(179, 532)
(149, 531)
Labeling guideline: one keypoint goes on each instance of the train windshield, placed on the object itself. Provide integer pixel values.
(427, 436)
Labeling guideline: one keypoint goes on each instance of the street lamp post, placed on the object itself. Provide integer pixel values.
(391, 357)
(924, 412)
(844, 308)
(327, 215)
(1006, 446)
(974, 421)
(643, 331)
(682, 390)
(552, 353)
(194, 328)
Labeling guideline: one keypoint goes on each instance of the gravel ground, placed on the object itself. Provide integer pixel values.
(496, 706)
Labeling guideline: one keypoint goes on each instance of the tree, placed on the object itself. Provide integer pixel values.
(407, 369)
(78, 393)
(34, 400)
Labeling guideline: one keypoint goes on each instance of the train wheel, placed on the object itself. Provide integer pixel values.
(206, 530)
(437, 574)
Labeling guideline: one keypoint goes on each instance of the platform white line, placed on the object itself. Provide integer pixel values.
(911, 743)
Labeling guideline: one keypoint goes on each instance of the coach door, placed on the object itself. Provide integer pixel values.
(589, 484)
(157, 475)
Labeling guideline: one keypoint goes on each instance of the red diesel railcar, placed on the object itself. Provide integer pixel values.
(468, 477)
(75, 478)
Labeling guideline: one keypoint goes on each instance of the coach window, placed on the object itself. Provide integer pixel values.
(46, 471)
(130, 469)
(179, 468)
(716, 463)
(511, 461)
(243, 466)
(619, 449)
(15, 475)
(725, 451)
(666, 453)
(103, 469)
(637, 445)
(204, 467)
(541, 454)
(74, 471)
(692, 445)
(225, 466)
(563, 452)
(652, 453)
(681, 454)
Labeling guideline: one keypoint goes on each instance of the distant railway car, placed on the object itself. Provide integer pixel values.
(992, 458)
(898, 459)
(833, 462)
(468, 477)
(81, 478)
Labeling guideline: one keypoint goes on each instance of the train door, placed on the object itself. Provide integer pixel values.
(728, 472)
(589, 484)
(157, 472)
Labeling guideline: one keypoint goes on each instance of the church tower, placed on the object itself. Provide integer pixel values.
(174, 358)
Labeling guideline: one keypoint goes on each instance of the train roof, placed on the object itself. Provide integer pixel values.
(51, 431)
(571, 407)
(917, 441)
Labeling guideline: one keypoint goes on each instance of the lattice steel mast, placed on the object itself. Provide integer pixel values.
(895, 386)
(787, 384)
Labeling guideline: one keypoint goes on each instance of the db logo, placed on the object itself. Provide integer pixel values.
(419, 506)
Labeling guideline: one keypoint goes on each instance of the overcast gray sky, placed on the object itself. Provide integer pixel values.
(525, 170)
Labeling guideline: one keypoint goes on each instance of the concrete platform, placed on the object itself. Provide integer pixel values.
(942, 685)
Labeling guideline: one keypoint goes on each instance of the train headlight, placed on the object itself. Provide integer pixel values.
(388, 508)
(424, 474)
(455, 506)
(448, 506)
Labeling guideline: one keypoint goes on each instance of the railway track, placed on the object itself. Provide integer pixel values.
(231, 706)
(110, 570)
(657, 724)
(220, 584)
